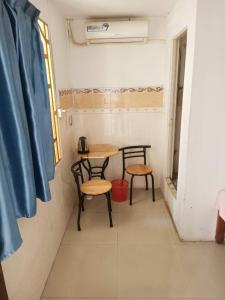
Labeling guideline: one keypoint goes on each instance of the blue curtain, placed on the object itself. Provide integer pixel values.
(24, 18)
(26, 151)
(9, 232)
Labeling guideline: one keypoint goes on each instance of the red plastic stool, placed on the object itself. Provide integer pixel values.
(119, 190)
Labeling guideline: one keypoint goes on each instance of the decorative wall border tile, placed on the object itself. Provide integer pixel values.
(112, 98)
(66, 92)
(150, 89)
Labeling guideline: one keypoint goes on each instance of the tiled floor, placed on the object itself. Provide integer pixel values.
(139, 258)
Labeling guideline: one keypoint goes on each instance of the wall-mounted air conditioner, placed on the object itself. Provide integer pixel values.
(116, 32)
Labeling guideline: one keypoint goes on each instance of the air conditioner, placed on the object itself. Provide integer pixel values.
(116, 32)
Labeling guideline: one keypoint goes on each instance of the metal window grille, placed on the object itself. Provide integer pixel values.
(45, 38)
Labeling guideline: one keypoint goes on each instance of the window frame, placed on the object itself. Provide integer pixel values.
(49, 66)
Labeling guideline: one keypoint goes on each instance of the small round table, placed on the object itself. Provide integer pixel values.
(98, 151)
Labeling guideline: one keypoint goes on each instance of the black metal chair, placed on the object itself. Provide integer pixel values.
(92, 187)
(137, 169)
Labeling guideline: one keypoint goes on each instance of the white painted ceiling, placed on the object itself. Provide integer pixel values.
(79, 9)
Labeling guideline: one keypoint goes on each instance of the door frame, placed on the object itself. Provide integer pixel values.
(173, 102)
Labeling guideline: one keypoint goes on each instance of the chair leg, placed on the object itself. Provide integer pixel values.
(153, 188)
(131, 188)
(83, 203)
(146, 181)
(110, 204)
(79, 213)
(109, 208)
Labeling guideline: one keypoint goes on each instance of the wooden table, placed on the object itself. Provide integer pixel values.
(98, 151)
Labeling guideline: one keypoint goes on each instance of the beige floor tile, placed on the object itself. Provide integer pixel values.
(143, 198)
(204, 265)
(151, 271)
(156, 298)
(124, 299)
(95, 229)
(173, 230)
(142, 206)
(145, 222)
(81, 298)
(142, 201)
(138, 228)
(96, 204)
(139, 258)
(83, 271)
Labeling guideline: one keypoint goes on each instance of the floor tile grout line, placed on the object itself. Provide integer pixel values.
(170, 223)
(130, 298)
(60, 244)
(182, 266)
(117, 245)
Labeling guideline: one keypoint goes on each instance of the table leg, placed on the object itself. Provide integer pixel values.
(95, 171)
(104, 166)
(87, 167)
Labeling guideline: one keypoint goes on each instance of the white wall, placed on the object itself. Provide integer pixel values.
(60, 43)
(206, 159)
(27, 270)
(122, 128)
(119, 65)
(201, 169)
(100, 66)
(181, 18)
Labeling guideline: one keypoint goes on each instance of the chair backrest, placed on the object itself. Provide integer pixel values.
(77, 171)
(132, 152)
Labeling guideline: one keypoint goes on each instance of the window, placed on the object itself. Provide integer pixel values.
(45, 38)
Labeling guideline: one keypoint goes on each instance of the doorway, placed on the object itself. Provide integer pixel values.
(179, 63)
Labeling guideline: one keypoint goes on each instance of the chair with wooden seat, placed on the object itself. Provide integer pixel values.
(92, 187)
(137, 169)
